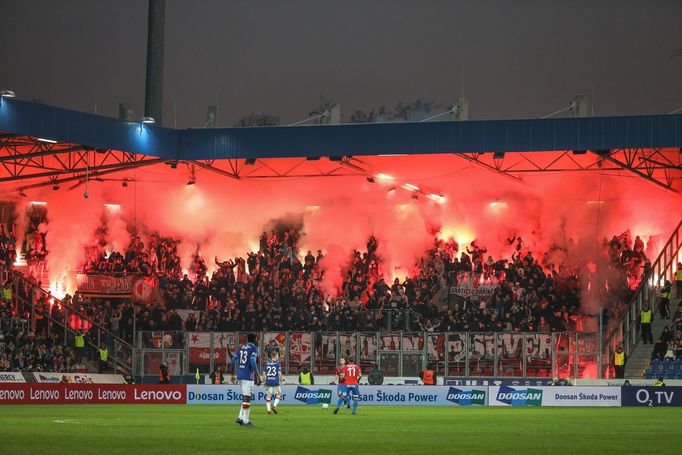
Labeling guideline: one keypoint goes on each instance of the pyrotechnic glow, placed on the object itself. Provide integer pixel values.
(400, 273)
(312, 208)
(38, 203)
(497, 206)
(410, 187)
(58, 290)
(113, 206)
(461, 234)
(594, 202)
(590, 371)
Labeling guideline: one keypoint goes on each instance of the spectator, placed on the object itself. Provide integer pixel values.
(217, 376)
(164, 374)
(660, 348)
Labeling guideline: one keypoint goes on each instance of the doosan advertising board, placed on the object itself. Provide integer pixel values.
(554, 396)
(369, 395)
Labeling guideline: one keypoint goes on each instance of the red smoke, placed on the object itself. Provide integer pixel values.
(223, 217)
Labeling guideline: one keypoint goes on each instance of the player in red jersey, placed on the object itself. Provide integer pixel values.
(341, 389)
(352, 374)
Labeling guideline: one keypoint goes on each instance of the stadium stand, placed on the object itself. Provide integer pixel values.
(272, 289)
(666, 357)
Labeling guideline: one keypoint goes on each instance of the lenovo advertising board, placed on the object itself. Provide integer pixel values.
(37, 393)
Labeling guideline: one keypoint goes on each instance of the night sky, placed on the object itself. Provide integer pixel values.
(517, 59)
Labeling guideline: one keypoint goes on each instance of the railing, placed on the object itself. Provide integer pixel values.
(68, 320)
(626, 330)
(561, 354)
(11, 324)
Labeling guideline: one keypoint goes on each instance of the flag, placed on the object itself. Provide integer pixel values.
(200, 347)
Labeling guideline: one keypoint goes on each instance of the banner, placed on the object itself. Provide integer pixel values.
(144, 289)
(224, 343)
(369, 395)
(78, 378)
(300, 348)
(104, 284)
(11, 377)
(651, 396)
(91, 394)
(554, 396)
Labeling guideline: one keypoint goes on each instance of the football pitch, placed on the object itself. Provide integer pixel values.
(183, 429)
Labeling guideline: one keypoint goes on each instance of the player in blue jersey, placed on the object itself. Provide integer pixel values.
(245, 365)
(273, 380)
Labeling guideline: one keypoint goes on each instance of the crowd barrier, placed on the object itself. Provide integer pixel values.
(534, 396)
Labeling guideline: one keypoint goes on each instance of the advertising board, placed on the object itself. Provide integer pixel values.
(652, 396)
(37, 393)
(369, 395)
(554, 396)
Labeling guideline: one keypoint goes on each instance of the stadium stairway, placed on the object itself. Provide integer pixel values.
(640, 358)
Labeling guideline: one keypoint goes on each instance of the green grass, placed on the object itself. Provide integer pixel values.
(182, 429)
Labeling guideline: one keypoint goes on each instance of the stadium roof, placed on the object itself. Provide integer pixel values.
(51, 145)
(23, 118)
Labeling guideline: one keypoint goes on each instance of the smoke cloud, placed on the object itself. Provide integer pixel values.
(567, 216)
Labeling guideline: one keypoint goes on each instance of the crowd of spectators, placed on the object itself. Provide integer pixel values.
(668, 345)
(7, 248)
(273, 290)
(21, 350)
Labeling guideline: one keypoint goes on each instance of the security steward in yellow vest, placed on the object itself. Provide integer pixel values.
(619, 362)
(79, 344)
(305, 377)
(664, 304)
(678, 280)
(103, 358)
(659, 382)
(646, 316)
